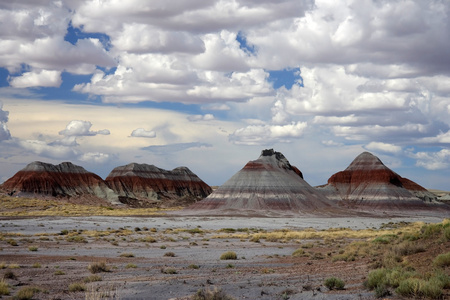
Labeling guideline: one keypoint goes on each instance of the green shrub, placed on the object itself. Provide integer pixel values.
(376, 278)
(443, 278)
(228, 255)
(334, 283)
(77, 287)
(415, 287)
(407, 248)
(131, 266)
(382, 291)
(33, 248)
(384, 239)
(59, 272)
(442, 260)
(36, 265)
(447, 233)
(431, 230)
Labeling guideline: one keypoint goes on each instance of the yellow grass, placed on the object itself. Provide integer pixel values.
(332, 233)
(24, 207)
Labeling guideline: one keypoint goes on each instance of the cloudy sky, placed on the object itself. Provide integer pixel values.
(208, 84)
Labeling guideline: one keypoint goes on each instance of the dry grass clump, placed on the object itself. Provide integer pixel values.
(229, 255)
(299, 253)
(4, 288)
(9, 275)
(442, 260)
(169, 254)
(127, 254)
(19, 206)
(27, 293)
(92, 278)
(77, 287)
(148, 239)
(98, 267)
(32, 248)
(207, 294)
(169, 271)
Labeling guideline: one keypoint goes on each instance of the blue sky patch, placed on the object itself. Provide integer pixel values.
(250, 49)
(74, 34)
(286, 77)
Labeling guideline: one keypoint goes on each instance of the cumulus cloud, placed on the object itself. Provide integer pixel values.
(48, 150)
(4, 131)
(164, 149)
(141, 132)
(383, 147)
(42, 78)
(267, 134)
(95, 157)
(81, 128)
(433, 160)
(195, 118)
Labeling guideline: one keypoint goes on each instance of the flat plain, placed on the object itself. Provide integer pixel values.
(174, 256)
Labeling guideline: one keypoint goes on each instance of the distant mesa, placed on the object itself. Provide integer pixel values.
(137, 185)
(141, 185)
(63, 180)
(368, 183)
(268, 184)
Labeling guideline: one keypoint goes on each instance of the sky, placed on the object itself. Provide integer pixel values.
(208, 84)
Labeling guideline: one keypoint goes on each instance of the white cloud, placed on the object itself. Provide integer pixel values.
(195, 118)
(331, 143)
(95, 157)
(141, 132)
(383, 147)
(81, 128)
(216, 106)
(42, 78)
(433, 160)
(267, 134)
(46, 150)
(4, 131)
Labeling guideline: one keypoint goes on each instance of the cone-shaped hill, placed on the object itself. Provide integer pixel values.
(368, 183)
(142, 184)
(63, 180)
(269, 183)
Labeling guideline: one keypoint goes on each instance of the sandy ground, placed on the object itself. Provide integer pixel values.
(263, 270)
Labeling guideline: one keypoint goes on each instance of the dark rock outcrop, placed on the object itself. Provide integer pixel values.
(144, 185)
(269, 183)
(63, 180)
(367, 182)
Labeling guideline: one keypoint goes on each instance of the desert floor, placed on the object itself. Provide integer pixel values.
(172, 257)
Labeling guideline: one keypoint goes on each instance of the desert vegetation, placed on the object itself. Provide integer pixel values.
(400, 259)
